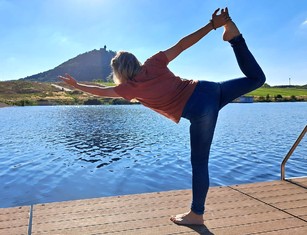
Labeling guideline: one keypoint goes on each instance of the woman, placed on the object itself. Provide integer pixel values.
(156, 87)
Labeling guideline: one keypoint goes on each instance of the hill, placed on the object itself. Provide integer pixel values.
(89, 66)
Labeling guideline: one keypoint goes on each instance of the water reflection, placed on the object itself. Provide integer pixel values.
(70, 152)
(95, 135)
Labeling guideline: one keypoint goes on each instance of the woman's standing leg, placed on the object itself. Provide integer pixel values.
(201, 134)
(202, 110)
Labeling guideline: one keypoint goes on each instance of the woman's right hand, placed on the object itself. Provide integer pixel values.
(69, 80)
(221, 19)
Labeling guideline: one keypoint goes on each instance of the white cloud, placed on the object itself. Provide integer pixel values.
(304, 23)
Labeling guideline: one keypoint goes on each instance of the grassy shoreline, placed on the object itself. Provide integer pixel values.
(280, 94)
(27, 93)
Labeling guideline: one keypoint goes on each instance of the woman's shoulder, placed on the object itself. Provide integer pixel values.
(157, 59)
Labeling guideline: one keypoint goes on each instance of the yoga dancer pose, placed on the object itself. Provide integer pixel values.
(156, 87)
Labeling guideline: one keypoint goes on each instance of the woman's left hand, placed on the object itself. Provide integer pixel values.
(69, 80)
(221, 19)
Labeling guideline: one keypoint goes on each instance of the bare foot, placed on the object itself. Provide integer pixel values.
(230, 31)
(189, 218)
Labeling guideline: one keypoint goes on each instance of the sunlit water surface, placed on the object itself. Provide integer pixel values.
(73, 152)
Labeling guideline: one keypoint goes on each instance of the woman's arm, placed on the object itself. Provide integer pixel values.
(95, 90)
(188, 41)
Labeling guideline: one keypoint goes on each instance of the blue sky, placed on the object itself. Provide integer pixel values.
(38, 35)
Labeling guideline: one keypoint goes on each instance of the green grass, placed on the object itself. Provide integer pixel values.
(23, 93)
(106, 83)
(273, 91)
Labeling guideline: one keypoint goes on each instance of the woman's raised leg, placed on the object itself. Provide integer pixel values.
(255, 77)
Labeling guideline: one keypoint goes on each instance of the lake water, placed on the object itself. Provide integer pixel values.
(62, 153)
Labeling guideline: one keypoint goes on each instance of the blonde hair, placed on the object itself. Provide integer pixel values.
(125, 66)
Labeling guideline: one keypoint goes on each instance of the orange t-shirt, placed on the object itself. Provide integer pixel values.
(157, 88)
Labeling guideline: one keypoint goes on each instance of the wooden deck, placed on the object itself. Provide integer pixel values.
(277, 207)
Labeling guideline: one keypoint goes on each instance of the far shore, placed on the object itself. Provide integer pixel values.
(30, 93)
(2, 105)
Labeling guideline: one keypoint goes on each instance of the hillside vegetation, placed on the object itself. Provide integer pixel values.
(23, 92)
(285, 93)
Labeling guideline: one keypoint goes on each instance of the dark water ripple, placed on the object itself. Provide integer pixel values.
(72, 152)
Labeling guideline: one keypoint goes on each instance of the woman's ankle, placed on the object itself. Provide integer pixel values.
(236, 39)
(230, 31)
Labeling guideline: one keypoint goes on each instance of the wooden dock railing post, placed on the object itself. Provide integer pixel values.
(283, 164)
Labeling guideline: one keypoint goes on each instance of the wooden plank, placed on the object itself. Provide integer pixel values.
(297, 231)
(300, 181)
(284, 198)
(260, 188)
(14, 221)
(106, 213)
(276, 190)
(117, 209)
(149, 214)
(276, 207)
(141, 222)
(283, 195)
(48, 211)
(300, 211)
(289, 224)
(291, 204)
